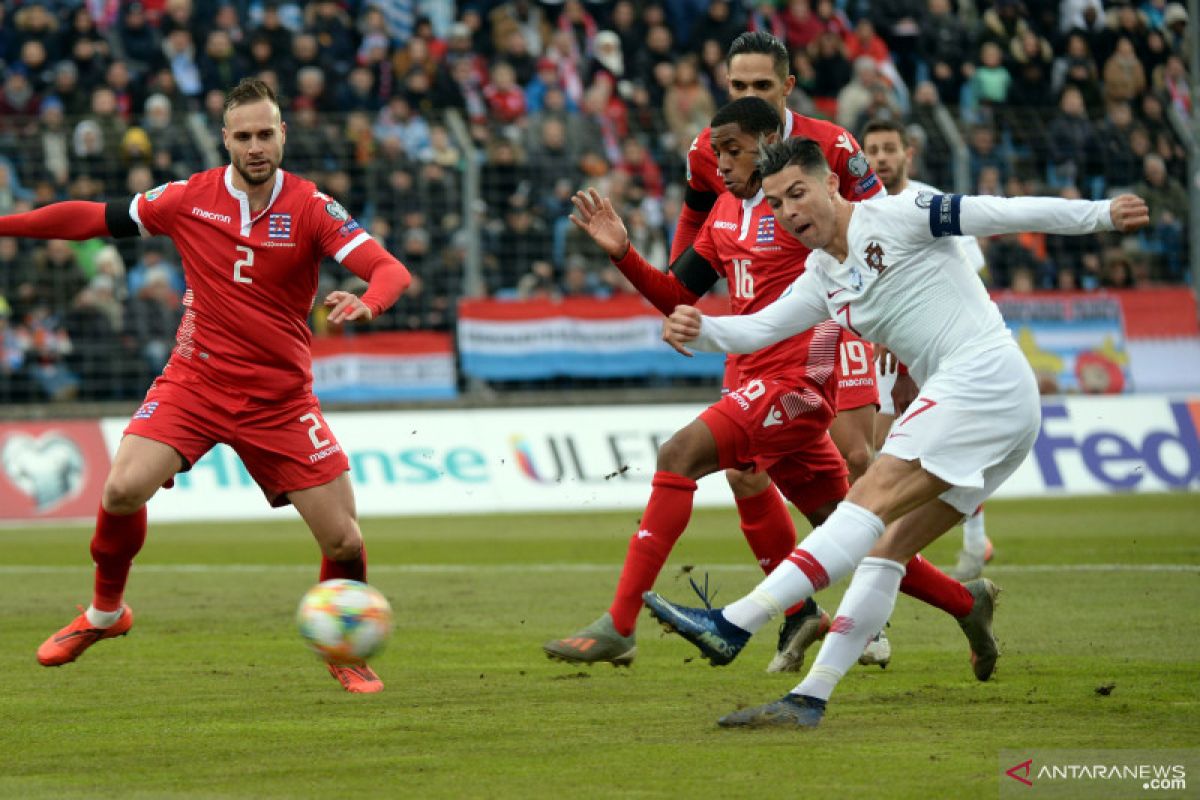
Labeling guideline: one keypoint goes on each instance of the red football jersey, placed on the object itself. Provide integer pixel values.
(760, 262)
(845, 157)
(251, 280)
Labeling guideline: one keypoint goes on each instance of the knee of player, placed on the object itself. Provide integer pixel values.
(122, 496)
(345, 547)
(858, 458)
(746, 483)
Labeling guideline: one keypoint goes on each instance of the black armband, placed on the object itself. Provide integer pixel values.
(695, 272)
(120, 224)
(699, 201)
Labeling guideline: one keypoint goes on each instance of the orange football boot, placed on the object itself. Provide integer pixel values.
(359, 679)
(70, 642)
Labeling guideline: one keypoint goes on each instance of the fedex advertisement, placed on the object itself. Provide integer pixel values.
(561, 459)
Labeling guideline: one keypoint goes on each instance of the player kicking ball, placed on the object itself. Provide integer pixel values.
(775, 420)
(251, 238)
(886, 270)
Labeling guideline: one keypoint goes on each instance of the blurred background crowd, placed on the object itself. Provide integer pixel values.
(391, 104)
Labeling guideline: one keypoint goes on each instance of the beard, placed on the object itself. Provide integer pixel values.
(253, 180)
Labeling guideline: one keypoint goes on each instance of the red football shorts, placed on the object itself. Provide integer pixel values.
(780, 427)
(855, 374)
(285, 445)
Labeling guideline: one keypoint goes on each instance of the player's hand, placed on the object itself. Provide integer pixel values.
(887, 360)
(347, 307)
(903, 393)
(1129, 213)
(594, 215)
(681, 327)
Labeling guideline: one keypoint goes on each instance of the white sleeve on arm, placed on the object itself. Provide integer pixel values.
(959, 215)
(797, 309)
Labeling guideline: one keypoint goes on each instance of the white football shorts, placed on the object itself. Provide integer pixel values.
(972, 424)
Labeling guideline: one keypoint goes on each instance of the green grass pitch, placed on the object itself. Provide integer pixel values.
(213, 695)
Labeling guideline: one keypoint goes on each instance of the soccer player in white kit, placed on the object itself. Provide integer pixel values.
(886, 145)
(887, 271)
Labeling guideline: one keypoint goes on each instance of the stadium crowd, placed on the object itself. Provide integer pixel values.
(103, 99)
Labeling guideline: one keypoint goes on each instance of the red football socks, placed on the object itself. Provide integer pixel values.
(354, 569)
(663, 522)
(768, 527)
(927, 583)
(116, 541)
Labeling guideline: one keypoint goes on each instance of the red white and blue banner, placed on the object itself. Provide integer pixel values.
(574, 337)
(382, 367)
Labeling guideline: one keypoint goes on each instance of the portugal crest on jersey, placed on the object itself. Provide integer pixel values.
(874, 257)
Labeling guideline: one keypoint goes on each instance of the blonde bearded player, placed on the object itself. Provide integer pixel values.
(887, 147)
(888, 270)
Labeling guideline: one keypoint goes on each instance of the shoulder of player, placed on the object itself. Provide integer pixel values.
(824, 132)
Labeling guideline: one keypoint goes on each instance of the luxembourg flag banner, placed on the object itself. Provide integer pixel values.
(384, 367)
(573, 337)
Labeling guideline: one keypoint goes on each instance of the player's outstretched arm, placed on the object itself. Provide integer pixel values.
(955, 215)
(595, 216)
(798, 309)
(75, 220)
(386, 280)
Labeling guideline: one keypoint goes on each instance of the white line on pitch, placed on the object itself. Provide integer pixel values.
(464, 569)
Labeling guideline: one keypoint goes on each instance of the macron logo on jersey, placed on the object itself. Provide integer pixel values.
(214, 216)
(723, 225)
(279, 226)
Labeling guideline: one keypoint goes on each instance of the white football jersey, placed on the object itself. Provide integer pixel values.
(904, 283)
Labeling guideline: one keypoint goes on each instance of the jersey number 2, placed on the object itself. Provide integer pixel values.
(246, 262)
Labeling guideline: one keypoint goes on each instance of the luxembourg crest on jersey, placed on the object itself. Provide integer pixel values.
(279, 226)
(766, 230)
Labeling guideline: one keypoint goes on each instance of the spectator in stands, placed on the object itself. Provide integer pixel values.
(1118, 273)
(1072, 153)
(34, 64)
(82, 28)
(152, 318)
(1121, 167)
(1124, 21)
(504, 96)
(1168, 204)
(539, 283)
(1171, 81)
(1077, 68)
(398, 120)
(34, 22)
(522, 240)
(985, 153)
(46, 155)
(1124, 77)
(1010, 263)
(945, 46)
(656, 53)
(899, 23)
(19, 104)
(139, 41)
(1175, 22)
(179, 52)
(333, 30)
(88, 152)
(688, 105)
(990, 82)
(503, 175)
(1004, 22)
(718, 23)
(153, 261)
(220, 65)
(856, 98)
(9, 37)
(47, 346)
(832, 71)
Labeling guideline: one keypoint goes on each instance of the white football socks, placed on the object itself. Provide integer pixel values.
(974, 535)
(837, 545)
(864, 610)
(103, 619)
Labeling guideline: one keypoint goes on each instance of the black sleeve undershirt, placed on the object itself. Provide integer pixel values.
(699, 201)
(695, 272)
(120, 224)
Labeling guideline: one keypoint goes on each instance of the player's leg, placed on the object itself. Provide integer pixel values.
(976, 550)
(684, 458)
(294, 457)
(764, 516)
(853, 432)
(890, 489)
(167, 432)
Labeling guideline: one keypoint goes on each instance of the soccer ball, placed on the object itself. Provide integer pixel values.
(344, 622)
